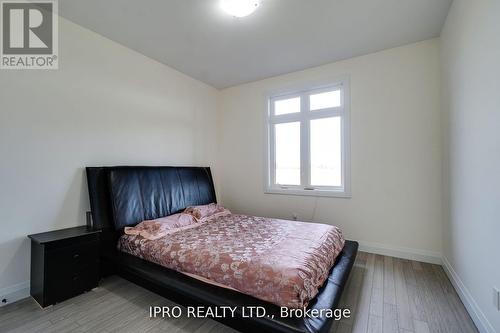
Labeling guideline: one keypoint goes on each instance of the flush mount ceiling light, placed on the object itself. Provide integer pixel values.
(239, 8)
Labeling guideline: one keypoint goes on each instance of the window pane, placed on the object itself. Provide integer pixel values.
(326, 153)
(287, 143)
(285, 106)
(325, 100)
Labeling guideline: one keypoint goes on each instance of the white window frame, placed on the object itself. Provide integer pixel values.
(304, 117)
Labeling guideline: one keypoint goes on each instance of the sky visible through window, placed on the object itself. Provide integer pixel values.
(330, 99)
(288, 153)
(326, 152)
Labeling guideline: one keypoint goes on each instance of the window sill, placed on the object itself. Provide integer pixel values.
(312, 193)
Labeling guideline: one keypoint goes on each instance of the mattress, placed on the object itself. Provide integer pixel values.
(278, 261)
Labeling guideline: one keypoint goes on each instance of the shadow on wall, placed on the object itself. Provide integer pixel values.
(75, 202)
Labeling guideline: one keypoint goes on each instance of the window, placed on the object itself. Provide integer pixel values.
(308, 142)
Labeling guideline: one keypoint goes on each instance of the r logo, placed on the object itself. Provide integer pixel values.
(27, 27)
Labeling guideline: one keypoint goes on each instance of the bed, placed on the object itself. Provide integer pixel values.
(124, 196)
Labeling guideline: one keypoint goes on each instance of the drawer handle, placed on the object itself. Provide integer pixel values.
(75, 256)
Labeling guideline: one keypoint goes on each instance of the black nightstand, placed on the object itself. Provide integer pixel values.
(64, 263)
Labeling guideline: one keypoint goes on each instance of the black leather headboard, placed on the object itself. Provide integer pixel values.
(125, 196)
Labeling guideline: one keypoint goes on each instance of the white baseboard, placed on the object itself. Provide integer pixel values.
(401, 252)
(482, 323)
(14, 293)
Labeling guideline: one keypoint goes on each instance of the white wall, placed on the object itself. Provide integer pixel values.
(471, 119)
(106, 105)
(395, 145)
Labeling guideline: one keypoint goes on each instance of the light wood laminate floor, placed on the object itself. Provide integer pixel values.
(385, 294)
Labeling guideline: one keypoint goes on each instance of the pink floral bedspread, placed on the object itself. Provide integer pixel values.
(282, 262)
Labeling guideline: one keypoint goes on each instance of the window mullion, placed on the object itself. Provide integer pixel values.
(272, 155)
(287, 118)
(338, 112)
(304, 142)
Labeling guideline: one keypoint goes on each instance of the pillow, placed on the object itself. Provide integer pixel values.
(154, 229)
(205, 212)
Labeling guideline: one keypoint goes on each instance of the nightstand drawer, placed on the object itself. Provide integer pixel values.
(69, 285)
(72, 259)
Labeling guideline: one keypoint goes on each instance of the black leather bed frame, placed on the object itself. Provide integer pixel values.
(123, 196)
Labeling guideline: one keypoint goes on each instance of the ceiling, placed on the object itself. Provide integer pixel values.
(282, 36)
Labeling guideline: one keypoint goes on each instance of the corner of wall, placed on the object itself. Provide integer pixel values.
(482, 323)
